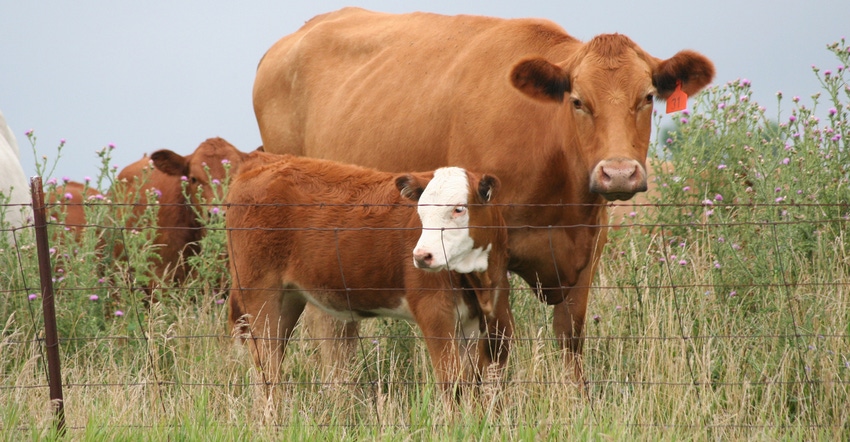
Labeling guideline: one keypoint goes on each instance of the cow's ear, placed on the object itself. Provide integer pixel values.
(487, 187)
(540, 79)
(170, 162)
(411, 186)
(693, 69)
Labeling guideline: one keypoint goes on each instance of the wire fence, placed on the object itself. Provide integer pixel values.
(791, 323)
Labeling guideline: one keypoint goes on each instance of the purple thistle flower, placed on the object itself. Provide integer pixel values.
(833, 111)
(93, 298)
(786, 160)
(683, 262)
(686, 188)
(721, 166)
(119, 313)
(66, 179)
(718, 197)
(219, 301)
(69, 196)
(732, 294)
(216, 181)
(184, 178)
(32, 296)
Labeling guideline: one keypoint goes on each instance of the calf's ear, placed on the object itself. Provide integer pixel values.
(411, 186)
(170, 162)
(487, 187)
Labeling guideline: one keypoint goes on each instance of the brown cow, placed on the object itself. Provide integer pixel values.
(67, 200)
(341, 238)
(161, 176)
(563, 123)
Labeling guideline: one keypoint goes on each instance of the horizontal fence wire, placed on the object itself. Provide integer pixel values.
(152, 342)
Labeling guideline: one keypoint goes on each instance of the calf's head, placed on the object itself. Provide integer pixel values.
(458, 221)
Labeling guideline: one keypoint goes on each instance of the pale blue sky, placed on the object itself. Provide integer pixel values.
(169, 74)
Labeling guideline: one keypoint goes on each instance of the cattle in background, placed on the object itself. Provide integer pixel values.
(160, 179)
(347, 240)
(66, 203)
(14, 189)
(564, 124)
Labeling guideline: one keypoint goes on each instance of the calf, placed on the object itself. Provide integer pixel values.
(163, 177)
(347, 240)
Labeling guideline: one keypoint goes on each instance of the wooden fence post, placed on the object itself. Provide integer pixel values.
(51, 336)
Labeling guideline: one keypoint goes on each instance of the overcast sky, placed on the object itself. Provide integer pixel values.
(169, 74)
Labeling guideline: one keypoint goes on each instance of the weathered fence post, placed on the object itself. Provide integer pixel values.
(51, 336)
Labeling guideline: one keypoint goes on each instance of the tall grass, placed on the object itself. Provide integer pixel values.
(722, 313)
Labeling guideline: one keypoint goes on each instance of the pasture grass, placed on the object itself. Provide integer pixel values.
(722, 313)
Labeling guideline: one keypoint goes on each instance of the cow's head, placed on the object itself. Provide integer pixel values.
(213, 162)
(459, 225)
(608, 87)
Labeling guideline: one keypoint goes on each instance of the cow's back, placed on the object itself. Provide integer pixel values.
(421, 83)
(292, 212)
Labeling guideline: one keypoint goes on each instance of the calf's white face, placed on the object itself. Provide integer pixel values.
(445, 243)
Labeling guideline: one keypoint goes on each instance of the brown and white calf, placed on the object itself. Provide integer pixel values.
(349, 240)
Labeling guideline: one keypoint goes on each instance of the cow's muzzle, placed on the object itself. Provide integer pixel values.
(618, 179)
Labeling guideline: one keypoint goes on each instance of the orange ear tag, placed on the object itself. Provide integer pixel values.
(678, 100)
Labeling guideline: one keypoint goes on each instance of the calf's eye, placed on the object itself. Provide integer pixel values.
(458, 211)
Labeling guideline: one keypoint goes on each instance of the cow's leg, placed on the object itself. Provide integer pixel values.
(338, 339)
(496, 342)
(569, 316)
(271, 319)
(438, 324)
(494, 348)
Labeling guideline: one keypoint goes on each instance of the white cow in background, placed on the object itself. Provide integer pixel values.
(13, 182)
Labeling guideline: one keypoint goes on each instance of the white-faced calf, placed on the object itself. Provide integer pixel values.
(342, 237)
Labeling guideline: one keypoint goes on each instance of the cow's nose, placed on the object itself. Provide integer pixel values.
(618, 179)
(422, 259)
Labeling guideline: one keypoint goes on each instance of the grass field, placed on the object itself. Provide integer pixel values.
(721, 311)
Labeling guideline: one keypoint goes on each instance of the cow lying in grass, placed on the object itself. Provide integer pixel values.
(349, 240)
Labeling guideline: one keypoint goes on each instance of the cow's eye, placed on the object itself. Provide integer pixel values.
(193, 180)
(649, 98)
(458, 211)
(577, 103)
